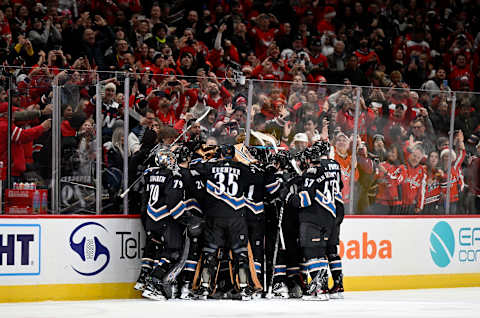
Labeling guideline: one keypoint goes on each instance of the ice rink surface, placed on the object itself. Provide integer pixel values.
(435, 303)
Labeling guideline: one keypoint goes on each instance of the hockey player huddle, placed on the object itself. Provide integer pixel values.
(221, 228)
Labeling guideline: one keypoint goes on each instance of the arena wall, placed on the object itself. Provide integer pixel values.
(98, 257)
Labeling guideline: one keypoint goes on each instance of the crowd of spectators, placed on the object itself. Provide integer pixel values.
(312, 63)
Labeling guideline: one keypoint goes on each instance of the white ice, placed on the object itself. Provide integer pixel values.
(435, 303)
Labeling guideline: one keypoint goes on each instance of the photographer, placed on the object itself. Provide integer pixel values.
(56, 61)
(272, 64)
(301, 67)
(22, 54)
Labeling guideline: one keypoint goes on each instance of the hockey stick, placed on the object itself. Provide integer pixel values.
(264, 137)
(124, 193)
(275, 253)
(269, 147)
(158, 146)
(199, 119)
(175, 270)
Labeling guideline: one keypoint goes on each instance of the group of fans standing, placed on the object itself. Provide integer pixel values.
(215, 223)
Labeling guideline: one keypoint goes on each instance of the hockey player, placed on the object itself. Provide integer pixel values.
(226, 183)
(165, 224)
(194, 192)
(317, 217)
(334, 260)
(286, 273)
(264, 184)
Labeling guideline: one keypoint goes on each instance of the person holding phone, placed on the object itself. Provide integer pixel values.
(438, 83)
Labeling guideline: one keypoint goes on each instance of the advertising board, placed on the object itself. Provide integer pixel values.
(78, 257)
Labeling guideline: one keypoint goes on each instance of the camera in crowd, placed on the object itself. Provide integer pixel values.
(238, 75)
(302, 59)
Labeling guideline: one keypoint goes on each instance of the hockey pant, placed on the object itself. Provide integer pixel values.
(231, 233)
(315, 234)
(287, 267)
(334, 260)
(163, 246)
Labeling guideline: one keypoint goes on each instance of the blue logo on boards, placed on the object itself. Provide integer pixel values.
(442, 244)
(85, 242)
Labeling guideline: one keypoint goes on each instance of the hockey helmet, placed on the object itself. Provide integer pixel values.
(227, 151)
(301, 158)
(318, 150)
(258, 153)
(283, 158)
(182, 154)
(164, 158)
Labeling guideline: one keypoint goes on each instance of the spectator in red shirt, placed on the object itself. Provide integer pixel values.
(20, 137)
(461, 72)
(217, 97)
(264, 33)
(367, 58)
(316, 57)
(413, 187)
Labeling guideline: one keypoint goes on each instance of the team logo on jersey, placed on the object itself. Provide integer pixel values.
(442, 244)
(93, 255)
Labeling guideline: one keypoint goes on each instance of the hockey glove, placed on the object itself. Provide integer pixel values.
(149, 139)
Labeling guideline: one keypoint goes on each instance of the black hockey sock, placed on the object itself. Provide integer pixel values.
(189, 269)
(160, 268)
(335, 264)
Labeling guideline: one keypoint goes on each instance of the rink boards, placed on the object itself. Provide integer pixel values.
(78, 257)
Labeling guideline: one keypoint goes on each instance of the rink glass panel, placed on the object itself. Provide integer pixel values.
(77, 153)
(26, 190)
(281, 110)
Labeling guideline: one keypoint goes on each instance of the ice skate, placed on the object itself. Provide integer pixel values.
(256, 295)
(185, 291)
(336, 292)
(317, 289)
(171, 290)
(221, 293)
(245, 294)
(316, 295)
(203, 292)
(245, 291)
(280, 290)
(141, 281)
(153, 290)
